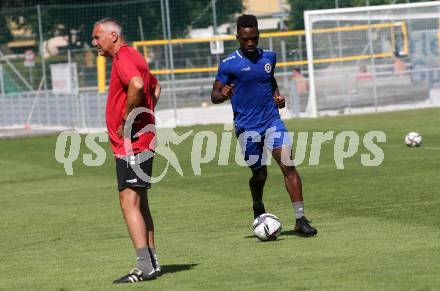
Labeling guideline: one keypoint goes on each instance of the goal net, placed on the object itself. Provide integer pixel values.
(373, 58)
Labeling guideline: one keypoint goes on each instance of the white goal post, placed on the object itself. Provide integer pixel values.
(372, 58)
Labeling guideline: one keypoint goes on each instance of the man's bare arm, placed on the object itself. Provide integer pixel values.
(135, 93)
(220, 93)
(279, 100)
(275, 90)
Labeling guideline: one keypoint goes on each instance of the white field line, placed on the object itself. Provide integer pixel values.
(420, 147)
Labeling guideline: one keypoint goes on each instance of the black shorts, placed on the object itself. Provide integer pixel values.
(135, 170)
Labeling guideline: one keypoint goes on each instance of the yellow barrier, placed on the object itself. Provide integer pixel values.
(100, 67)
(402, 25)
(137, 44)
(146, 43)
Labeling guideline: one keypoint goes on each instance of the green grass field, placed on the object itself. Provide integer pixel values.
(379, 227)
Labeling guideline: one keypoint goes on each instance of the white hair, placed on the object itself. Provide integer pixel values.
(110, 25)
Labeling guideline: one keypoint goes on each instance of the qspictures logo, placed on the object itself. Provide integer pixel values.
(211, 147)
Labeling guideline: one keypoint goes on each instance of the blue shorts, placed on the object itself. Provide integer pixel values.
(253, 142)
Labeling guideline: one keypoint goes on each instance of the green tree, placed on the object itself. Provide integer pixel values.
(75, 18)
(5, 33)
(198, 14)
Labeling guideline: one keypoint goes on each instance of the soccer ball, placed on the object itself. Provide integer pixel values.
(267, 227)
(413, 139)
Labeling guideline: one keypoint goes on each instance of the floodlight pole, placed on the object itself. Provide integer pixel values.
(2, 93)
(170, 50)
(311, 105)
(344, 84)
(2, 82)
(165, 47)
(373, 64)
(214, 16)
(214, 23)
(43, 62)
(41, 46)
(283, 54)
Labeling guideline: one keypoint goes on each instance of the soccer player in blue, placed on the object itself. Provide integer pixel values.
(246, 78)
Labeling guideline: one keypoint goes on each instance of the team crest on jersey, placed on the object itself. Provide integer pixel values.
(268, 68)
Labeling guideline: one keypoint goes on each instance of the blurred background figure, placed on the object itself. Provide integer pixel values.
(399, 65)
(363, 74)
(300, 83)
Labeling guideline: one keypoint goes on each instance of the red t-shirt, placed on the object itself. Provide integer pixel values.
(129, 63)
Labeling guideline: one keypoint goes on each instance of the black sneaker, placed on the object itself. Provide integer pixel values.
(136, 275)
(303, 227)
(155, 263)
(258, 211)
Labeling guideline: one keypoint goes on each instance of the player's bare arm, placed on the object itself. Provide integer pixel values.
(220, 93)
(135, 93)
(280, 101)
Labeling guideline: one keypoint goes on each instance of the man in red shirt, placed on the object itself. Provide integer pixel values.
(132, 87)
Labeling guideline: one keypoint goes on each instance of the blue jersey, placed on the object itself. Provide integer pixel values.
(252, 99)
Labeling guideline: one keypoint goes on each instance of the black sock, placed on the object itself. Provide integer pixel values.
(154, 258)
(258, 209)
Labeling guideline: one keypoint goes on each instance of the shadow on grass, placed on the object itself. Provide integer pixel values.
(283, 233)
(169, 269)
(263, 241)
(292, 232)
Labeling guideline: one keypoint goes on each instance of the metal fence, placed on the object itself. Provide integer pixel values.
(87, 109)
(386, 55)
(167, 33)
(62, 33)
